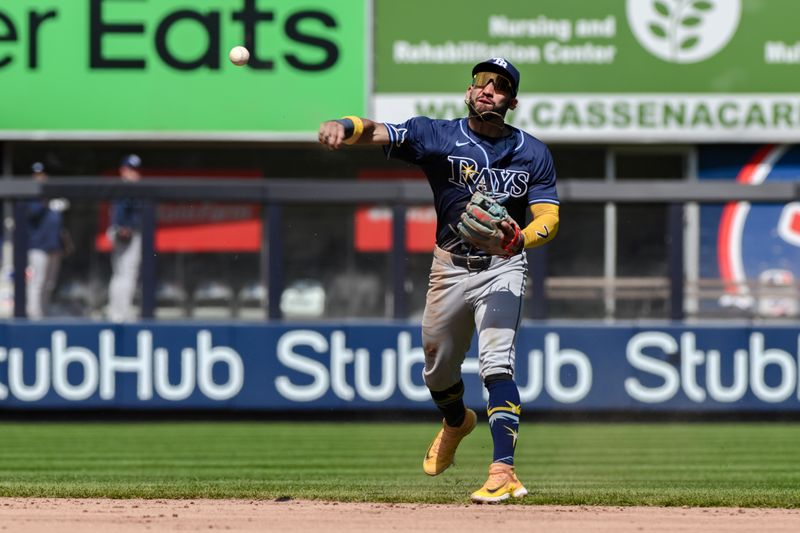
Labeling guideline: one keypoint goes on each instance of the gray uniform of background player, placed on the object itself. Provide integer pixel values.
(125, 232)
(45, 247)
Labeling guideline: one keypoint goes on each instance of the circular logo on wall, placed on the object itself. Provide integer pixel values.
(683, 31)
(758, 247)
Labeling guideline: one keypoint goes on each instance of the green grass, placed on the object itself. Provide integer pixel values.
(753, 465)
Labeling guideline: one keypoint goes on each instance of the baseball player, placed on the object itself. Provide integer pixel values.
(485, 175)
(125, 233)
(46, 246)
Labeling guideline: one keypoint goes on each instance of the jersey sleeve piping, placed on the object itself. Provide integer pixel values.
(544, 201)
(392, 133)
(390, 129)
(521, 140)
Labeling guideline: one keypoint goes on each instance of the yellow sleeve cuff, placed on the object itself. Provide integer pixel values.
(543, 227)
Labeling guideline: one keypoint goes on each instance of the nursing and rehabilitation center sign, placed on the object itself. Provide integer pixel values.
(607, 70)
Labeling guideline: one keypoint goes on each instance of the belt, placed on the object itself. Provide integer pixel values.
(473, 263)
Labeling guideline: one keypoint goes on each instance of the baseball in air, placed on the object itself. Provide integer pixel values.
(239, 55)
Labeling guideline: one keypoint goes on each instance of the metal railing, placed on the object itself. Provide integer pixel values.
(274, 194)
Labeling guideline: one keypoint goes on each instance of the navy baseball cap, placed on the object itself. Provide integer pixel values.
(37, 167)
(131, 160)
(500, 66)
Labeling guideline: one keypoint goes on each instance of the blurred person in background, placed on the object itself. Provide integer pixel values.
(48, 242)
(125, 233)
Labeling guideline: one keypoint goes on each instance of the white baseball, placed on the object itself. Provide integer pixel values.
(239, 55)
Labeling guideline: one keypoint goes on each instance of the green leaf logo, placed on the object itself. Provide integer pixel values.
(690, 43)
(658, 30)
(661, 8)
(691, 22)
(684, 31)
(677, 17)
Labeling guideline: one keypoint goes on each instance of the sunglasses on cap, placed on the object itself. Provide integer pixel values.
(501, 83)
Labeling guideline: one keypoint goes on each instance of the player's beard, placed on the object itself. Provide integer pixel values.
(495, 117)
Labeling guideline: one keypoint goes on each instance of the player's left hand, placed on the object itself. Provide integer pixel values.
(486, 224)
(123, 234)
(331, 134)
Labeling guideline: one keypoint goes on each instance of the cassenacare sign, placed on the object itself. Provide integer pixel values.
(618, 70)
(160, 69)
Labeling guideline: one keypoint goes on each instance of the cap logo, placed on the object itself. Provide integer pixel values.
(499, 61)
(133, 161)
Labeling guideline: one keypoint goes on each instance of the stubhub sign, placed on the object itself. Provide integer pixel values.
(237, 366)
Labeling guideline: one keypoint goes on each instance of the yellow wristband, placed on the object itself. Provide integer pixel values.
(358, 129)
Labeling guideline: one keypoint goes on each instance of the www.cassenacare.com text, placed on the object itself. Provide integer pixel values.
(664, 113)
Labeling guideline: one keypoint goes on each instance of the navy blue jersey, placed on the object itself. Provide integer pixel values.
(516, 170)
(44, 226)
(126, 213)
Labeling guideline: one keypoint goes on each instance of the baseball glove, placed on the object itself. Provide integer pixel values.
(486, 225)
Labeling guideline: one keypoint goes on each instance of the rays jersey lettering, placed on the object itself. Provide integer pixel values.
(499, 182)
(516, 170)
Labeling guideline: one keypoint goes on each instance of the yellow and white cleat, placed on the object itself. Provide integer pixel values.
(442, 450)
(501, 485)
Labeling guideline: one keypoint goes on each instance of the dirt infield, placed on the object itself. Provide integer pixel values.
(115, 516)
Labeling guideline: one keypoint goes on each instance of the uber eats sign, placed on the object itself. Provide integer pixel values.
(159, 68)
(619, 70)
